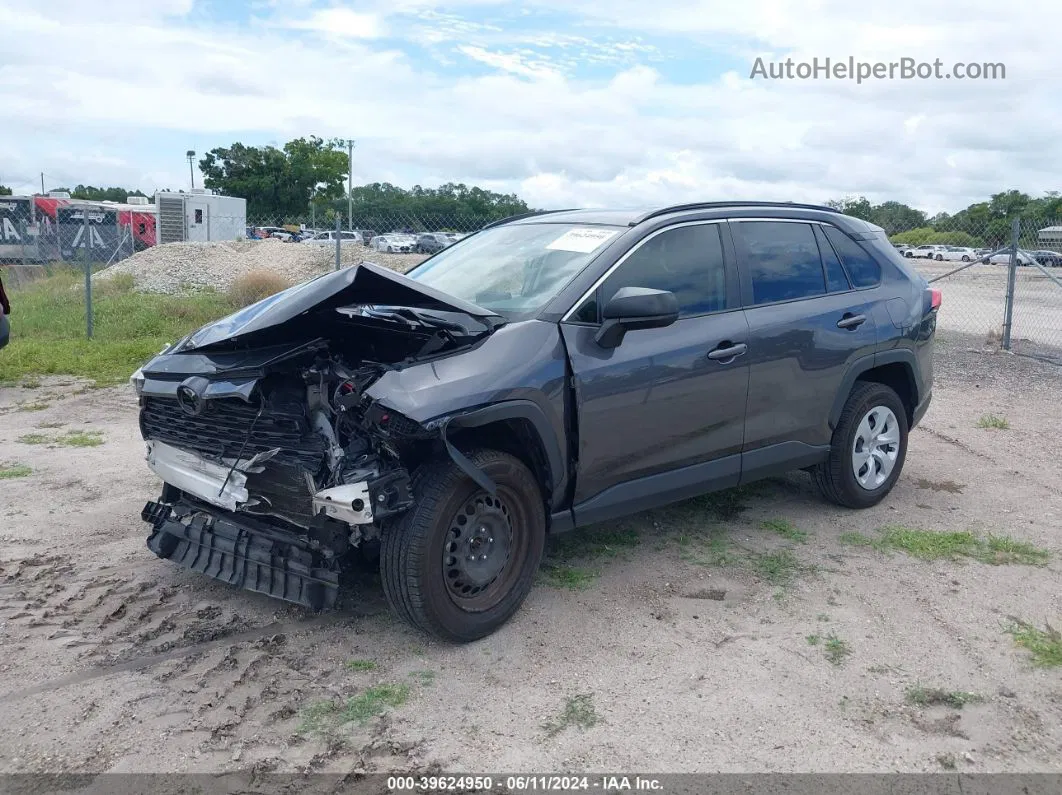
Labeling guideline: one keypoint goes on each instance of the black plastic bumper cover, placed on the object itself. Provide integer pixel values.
(238, 554)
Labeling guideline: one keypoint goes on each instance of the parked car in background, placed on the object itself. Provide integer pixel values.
(927, 251)
(278, 232)
(431, 242)
(394, 244)
(1049, 259)
(956, 254)
(1025, 258)
(329, 239)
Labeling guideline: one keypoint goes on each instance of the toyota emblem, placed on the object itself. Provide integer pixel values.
(189, 400)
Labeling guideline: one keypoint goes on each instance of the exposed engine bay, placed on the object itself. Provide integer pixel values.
(276, 463)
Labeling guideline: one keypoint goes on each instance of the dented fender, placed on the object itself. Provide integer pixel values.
(519, 372)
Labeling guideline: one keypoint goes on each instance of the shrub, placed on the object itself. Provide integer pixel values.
(256, 285)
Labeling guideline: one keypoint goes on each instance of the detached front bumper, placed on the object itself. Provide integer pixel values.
(243, 553)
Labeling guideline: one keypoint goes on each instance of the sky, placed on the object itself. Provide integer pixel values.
(568, 103)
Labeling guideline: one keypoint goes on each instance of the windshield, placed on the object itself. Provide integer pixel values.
(514, 269)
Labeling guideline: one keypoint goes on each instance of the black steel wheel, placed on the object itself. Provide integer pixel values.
(461, 561)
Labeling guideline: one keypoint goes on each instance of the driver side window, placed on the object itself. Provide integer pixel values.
(685, 260)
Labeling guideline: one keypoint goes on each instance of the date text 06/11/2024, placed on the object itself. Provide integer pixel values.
(525, 783)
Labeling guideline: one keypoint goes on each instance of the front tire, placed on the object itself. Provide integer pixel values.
(868, 449)
(460, 562)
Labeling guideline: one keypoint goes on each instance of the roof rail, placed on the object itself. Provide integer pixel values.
(674, 208)
(531, 214)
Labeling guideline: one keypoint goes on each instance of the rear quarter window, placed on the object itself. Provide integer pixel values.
(863, 270)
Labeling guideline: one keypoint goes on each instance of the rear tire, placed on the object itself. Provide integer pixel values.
(460, 562)
(860, 449)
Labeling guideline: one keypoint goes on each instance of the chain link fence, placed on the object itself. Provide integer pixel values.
(987, 300)
(1001, 283)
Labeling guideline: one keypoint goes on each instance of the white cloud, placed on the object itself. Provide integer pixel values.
(513, 62)
(78, 89)
(342, 22)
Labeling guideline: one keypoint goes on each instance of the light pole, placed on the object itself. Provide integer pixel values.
(190, 154)
(350, 185)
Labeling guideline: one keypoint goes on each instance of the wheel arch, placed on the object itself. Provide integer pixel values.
(517, 427)
(896, 369)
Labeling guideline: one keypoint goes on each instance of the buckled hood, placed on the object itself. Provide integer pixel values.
(366, 284)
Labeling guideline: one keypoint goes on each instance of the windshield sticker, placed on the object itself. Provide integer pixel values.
(582, 241)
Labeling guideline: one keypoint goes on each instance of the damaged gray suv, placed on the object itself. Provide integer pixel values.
(550, 371)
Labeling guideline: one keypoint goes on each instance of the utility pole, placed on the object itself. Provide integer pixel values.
(42, 183)
(350, 185)
(190, 154)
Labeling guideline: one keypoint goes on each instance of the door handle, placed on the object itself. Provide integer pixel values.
(727, 350)
(850, 321)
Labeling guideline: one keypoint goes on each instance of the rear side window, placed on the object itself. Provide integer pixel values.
(783, 260)
(862, 268)
(836, 280)
(686, 260)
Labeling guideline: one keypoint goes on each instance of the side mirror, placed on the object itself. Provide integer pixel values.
(633, 308)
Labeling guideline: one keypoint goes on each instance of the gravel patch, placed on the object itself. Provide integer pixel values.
(188, 267)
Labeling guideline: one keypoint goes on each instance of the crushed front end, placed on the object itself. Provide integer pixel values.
(276, 465)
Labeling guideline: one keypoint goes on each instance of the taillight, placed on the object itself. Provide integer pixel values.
(935, 297)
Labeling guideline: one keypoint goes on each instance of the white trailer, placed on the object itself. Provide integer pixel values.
(200, 215)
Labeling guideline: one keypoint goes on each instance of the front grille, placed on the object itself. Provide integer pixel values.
(281, 488)
(221, 430)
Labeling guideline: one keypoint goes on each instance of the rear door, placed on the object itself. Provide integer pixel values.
(658, 417)
(806, 326)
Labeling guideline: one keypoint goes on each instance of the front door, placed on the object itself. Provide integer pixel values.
(659, 418)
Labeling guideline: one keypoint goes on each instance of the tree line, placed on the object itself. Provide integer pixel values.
(981, 224)
(304, 181)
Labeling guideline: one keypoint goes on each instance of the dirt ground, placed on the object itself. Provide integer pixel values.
(745, 632)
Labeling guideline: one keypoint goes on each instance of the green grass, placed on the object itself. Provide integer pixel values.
(1044, 645)
(322, 717)
(425, 678)
(993, 422)
(785, 529)
(69, 439)
(935, 696)
(80, 439)
(836, 649)
(10, 471)
(374, 701)
(705, 548)
(37, 405)
(853, 539)
(574, 578)
(813, 640)
(360, 665)
(578, 711)
(724, 505)
(778, 568)
(48, 329)
(593, 543)
(996, 550)
(318, 717)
